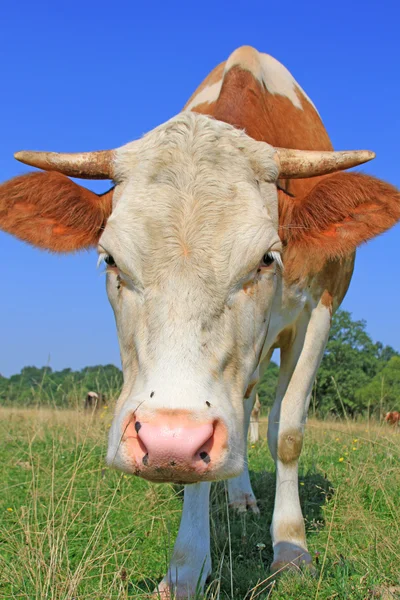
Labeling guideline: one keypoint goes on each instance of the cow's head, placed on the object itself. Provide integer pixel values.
(190, 238)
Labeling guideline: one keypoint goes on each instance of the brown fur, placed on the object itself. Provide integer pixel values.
(292, 530)
(393, 418)
(289, 446)
(326, 220)
(50, 211)
(329, 216)
(341, 212)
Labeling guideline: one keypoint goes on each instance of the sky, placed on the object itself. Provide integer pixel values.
(87, 75)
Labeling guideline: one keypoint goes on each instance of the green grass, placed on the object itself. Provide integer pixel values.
(70, 528)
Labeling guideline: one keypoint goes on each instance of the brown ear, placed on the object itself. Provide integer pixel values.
(52, 212)
(341, 212)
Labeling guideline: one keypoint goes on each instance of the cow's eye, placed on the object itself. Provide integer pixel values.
(268, 259)
(110, 262)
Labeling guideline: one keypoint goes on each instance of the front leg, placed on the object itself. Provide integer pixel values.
(190, 563)
(240, 493)
(299, 363)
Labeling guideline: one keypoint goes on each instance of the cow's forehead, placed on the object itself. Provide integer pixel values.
(199, 141)
(190, 189)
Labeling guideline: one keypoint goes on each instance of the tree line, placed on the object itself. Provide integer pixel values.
(357, 376)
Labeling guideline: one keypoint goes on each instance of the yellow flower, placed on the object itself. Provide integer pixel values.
(341, 459)
(346, 453)
(355, 441)
(253, 446)
(125, 476)
(9, 509)
(354, 448)
(301, 483)
(336, 439)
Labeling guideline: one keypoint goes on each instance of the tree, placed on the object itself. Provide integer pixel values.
(350, 362)
(34, 386)
(383, 391)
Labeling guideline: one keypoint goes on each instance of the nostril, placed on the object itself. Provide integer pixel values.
(145, 460)
(205, 457)
(137, 426)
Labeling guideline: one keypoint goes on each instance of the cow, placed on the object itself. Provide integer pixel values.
(393, 417)
(94, 401)
(229, 231)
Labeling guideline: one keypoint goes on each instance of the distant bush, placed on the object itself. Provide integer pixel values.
(66, 388)
(356, 375)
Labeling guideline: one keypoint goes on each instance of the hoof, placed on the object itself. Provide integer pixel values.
(166, 592)
(246, 503)
(180, 591)
(295, 560)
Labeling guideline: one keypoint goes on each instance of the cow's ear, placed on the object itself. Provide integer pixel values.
(52, 212)
(341, 212)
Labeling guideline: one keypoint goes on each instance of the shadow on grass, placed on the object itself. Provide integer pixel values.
(249, 553)
(241, 543)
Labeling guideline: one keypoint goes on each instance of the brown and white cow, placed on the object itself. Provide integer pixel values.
(393, 417)
(220, 245)
(94, 401)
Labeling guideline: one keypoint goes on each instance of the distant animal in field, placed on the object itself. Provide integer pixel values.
(255, 421)
(228, 231)
(393, 417)
(94, 401)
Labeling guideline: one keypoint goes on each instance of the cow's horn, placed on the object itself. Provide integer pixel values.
(296, 164)
(86, 165)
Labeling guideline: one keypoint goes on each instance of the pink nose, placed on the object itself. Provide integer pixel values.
(172, 446)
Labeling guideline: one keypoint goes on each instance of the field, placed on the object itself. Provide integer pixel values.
(70, 528)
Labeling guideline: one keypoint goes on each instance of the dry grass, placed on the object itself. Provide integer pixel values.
(71, 528)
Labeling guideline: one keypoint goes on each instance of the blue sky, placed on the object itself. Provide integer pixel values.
(89, 75)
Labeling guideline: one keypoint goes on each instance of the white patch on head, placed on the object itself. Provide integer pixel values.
(269, 71)
(208, 94)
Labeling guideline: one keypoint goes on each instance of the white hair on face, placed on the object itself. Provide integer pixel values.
(101, 258)
(277, 258)
(194, 133)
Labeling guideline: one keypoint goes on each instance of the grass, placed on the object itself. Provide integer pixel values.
(70, 528)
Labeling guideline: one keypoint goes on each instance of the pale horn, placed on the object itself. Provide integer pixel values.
(85, 165)
(297, 164)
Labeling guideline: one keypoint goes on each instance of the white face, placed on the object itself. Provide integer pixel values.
(195, 213)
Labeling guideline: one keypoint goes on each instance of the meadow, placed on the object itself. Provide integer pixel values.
(70, 528)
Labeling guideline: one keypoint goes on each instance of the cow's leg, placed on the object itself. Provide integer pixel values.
(240, 493)
(190, 563)
(241, 496)
(300, 360)
(254, 434)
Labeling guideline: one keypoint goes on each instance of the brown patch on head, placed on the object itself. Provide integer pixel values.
(249, 288)
(289, 445)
